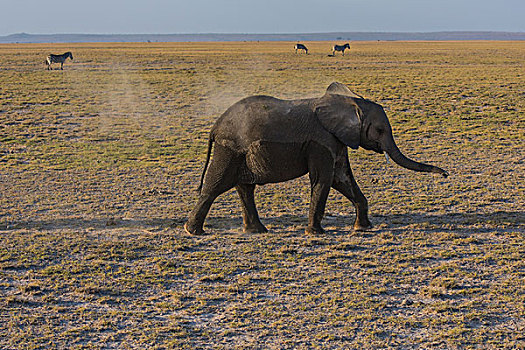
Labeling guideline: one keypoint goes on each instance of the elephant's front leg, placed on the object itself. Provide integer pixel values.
(252, 223)
(345, 183)
(321, 171)
(317, 206)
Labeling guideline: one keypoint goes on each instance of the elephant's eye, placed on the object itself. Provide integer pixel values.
(380, 131)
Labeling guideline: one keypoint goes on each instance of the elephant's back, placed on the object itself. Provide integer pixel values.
(264, 118)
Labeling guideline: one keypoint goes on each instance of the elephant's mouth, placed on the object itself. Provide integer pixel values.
(378, 148)
(375, 147)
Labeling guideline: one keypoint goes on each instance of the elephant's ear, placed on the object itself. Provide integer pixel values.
(341, 116)
(341, 89)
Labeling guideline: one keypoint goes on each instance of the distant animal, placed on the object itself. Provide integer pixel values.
(300, 47)
(58, 59)
(262, 139)
(341, 48)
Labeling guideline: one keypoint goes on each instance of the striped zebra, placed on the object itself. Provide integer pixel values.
(341, 48)
(58, 59)
(300, 47)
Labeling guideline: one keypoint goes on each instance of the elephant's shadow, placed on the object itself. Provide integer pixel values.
(499, 221)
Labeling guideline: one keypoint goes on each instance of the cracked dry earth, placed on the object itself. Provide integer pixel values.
(99, 164)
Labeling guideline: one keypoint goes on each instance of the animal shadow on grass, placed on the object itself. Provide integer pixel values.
(496, 221)
(90, 223)
(500, 221)
(453, 222)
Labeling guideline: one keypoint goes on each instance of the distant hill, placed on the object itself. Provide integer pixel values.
(336, 36)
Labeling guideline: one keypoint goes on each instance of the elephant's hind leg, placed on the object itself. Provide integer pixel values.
(221, 176)
(252, 223)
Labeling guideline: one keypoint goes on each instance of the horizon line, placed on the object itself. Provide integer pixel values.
(276, 33)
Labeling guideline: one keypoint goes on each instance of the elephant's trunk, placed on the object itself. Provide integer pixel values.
(398, 157)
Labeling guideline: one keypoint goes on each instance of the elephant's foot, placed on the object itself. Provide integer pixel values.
(310, 230)
(193, 230)
(255, 229)
(363, 225)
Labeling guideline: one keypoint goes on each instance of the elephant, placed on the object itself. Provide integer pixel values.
(262, 139)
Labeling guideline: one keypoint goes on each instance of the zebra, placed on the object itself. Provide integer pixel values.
(341, 48)
(58, 59)
(300, 47)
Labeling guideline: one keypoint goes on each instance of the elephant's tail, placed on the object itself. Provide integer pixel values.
(210, 144)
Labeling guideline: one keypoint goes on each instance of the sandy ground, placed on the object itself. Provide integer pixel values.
(99, 164)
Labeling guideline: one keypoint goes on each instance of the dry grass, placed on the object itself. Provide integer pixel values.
(98, 161)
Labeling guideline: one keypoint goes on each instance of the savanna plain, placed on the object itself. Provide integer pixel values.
(99, 165)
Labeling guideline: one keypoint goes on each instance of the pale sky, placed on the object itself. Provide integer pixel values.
(258, 16)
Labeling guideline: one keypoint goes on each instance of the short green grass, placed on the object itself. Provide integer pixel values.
(98, 169)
